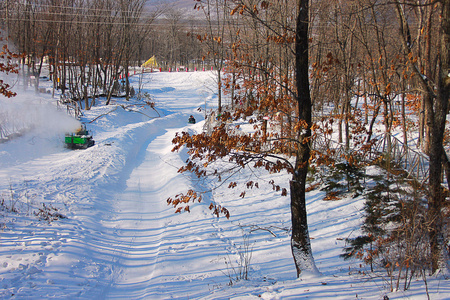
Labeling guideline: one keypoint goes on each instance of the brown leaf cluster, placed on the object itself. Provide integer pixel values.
(6, 66)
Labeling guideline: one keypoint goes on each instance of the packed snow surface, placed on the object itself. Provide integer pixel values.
(94, 224)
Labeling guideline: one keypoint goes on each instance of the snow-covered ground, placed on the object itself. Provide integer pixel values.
(114, 236)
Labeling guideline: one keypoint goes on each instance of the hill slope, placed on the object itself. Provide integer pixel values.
(109, 233)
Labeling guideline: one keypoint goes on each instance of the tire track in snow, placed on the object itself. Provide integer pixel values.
(140, 221)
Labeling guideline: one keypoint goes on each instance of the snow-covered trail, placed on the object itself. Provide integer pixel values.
(141, 217)
(140, 225)
(114, 194)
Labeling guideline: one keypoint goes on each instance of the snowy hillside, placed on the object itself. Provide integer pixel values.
(94, 224)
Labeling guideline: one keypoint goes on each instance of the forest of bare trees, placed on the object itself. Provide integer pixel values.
(302, 66)
(89, 45)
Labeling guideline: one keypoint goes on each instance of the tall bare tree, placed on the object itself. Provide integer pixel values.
(437, 94)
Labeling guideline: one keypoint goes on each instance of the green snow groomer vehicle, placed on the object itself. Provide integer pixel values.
(81, 139)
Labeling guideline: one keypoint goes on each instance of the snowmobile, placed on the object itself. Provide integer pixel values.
(81, 139)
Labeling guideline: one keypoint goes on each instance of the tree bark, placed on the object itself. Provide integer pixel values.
(300, 241)
(439, 253)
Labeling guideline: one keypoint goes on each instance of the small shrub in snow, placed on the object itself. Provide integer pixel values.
(49, 213)
(240, 269)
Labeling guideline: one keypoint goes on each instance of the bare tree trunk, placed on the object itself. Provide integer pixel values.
(424, 129)
(300, 241)
(436, 108)
(439, 253)
(219, 90)
(404, 119)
